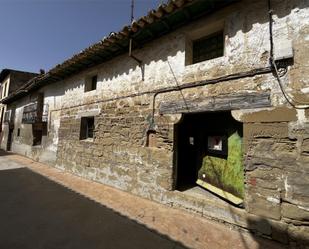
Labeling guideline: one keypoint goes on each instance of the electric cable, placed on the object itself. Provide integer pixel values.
(293, 102)
(290, 100)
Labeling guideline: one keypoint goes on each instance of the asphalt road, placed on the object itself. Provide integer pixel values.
(37, 213)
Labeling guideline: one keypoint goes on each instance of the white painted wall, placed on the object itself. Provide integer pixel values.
(246, 47)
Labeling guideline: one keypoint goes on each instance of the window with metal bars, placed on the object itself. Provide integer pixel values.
(208, 47)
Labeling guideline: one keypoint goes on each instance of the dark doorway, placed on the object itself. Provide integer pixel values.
(39, 129)
(209, 153)
(10, 139)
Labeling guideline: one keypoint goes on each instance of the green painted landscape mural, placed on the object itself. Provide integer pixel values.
(226, 173)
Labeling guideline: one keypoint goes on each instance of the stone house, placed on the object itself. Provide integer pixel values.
(10, 81)
(195, 95)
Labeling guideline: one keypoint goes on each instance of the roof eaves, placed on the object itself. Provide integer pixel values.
(110, 44)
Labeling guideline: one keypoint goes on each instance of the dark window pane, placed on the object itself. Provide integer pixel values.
(37, 136)
(91, 83)
(86, 128)
(90, 127)
(94, 82)
(208, 48)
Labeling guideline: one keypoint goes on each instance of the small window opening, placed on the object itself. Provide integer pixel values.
(37, 137)
(86, 128)
(4, 90)
(38, 131)
(151, 139)
(91, 83)
(18, 132)
(208, 48)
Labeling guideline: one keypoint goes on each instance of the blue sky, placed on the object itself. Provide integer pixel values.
(42, 33)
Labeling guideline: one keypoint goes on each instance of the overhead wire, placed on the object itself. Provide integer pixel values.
(292, 101)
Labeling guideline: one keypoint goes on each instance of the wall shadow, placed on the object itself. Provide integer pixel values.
(36, 212)
(262, 226)
(5, 153)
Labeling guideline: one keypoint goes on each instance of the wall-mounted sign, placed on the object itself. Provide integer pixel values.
(30, 114)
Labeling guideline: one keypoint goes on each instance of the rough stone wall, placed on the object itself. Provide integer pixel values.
(276, 202)
(23, 144)
(118, 156)
(276, 159)
(276, 173)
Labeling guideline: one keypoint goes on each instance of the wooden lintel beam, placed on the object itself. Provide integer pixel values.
(219, 103)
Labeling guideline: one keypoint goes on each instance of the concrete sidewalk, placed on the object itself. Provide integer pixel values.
(188, 229)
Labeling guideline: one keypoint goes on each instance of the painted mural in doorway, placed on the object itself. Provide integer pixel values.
(224, 175)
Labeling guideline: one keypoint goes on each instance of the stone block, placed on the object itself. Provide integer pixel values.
(296, 188)
(255, 162)
(262, 130)
(305, 147)
(279, 231)
(278, 114)
(299, 233)
(286, 147)
(294, 212)
(165, 181)
(303, 162)
(262, 202)
(259, 224)
(267, 179)
(297, 130)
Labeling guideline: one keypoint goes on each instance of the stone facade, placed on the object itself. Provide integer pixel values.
(22, 143)
(10, 80)
(276, 138)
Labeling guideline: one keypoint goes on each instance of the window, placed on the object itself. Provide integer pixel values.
(91, 83)
(30, 113)
(208, 48)
(37, 136)
(4, 90)
(8, 116)
(86, 128)
(38, 131)
(151, 139)
(18, 132)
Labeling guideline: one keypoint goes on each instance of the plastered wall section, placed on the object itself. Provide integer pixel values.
(23, 144)
(4, 92)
